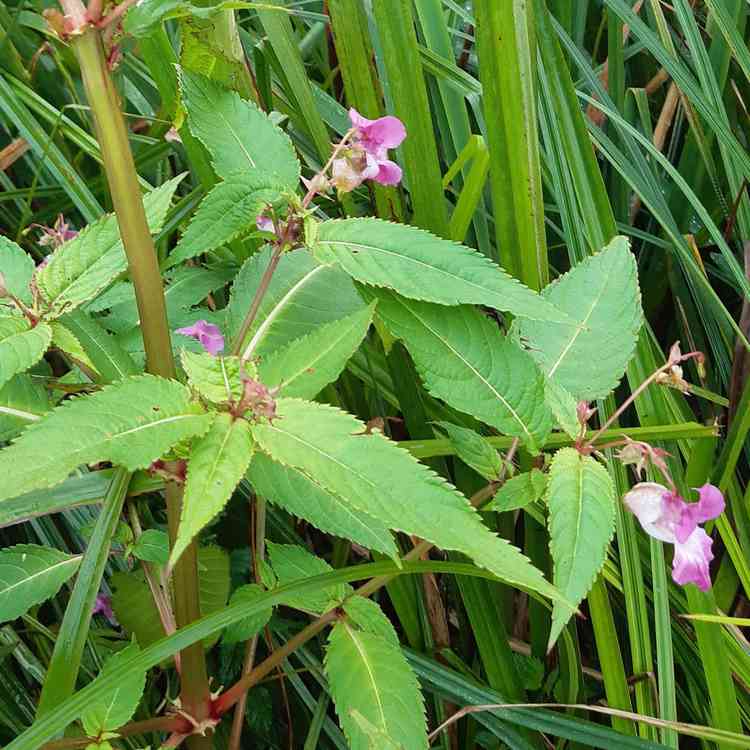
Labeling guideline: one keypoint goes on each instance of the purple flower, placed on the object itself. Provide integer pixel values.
(103, 606)
(664, 515)
(207, 333)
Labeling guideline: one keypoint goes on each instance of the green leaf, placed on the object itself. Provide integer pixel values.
(111, 361)
(303, 295)
(245, 629)
(114, 708)
(601, 295)
(376, 739)
(24, 395)
(64, 340)
(385, 481)
(236, 133)
(186, 286)
(464, 359)
(217, 462)
(229, 210)
(291, 562)
(16, 268)
(563, 407)
(581, 501)
(84, 266)
(21, 346)
(474, 450)
(134, 606)
(369, 674)
(519, 491)
(130, 423)
(367, 615)
(217, 379)
(421, 266)
(29, 575)
(306, 365)
(152, 546)
(300, 495)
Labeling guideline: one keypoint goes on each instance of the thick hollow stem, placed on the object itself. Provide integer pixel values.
(144, 271)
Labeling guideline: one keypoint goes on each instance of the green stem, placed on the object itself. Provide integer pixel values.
(226, 700)
(143, 266)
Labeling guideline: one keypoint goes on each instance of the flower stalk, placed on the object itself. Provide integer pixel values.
(143, 266)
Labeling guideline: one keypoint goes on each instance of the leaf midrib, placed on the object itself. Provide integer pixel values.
(44, 571)
(473, 369)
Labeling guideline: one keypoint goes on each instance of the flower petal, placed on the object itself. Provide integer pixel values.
(711, 503)
(691, 560)
(206, 333)
(264, 223)
(389, 173)
(648, 501)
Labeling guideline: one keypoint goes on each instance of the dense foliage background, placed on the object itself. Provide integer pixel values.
(536, 133)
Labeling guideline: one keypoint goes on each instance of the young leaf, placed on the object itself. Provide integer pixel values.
(519, 491)
(303, 497)
(16, 268)
(230, 209)
(29, 575)
(130, 423)
(474, 450)
(375, 476)
(306, 365)
(217, 379)
(421, 266)
(217, 462)
(463, 359)
(302, 296)
(152, 546)
(581, 501)
(114, 708)
(601, 296)
(236, 133)
(21, 346)
(290, 563)
(368, 674)
(245, 629)
(82, 267)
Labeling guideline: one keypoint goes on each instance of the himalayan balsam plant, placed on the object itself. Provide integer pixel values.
(236, 397)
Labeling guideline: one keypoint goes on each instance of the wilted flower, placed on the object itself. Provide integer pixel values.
(666, 516)
(640, 454)
(206, 333)
(58, 234)
(367, 159)
(103, 606)
(257, 398)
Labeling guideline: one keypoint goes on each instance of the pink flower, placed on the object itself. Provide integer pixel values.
(375, 137)
(207, 333)
(103, 606)
(664, 515)
(367, 159)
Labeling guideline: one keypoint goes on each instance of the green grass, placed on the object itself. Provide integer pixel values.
(517, 147)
